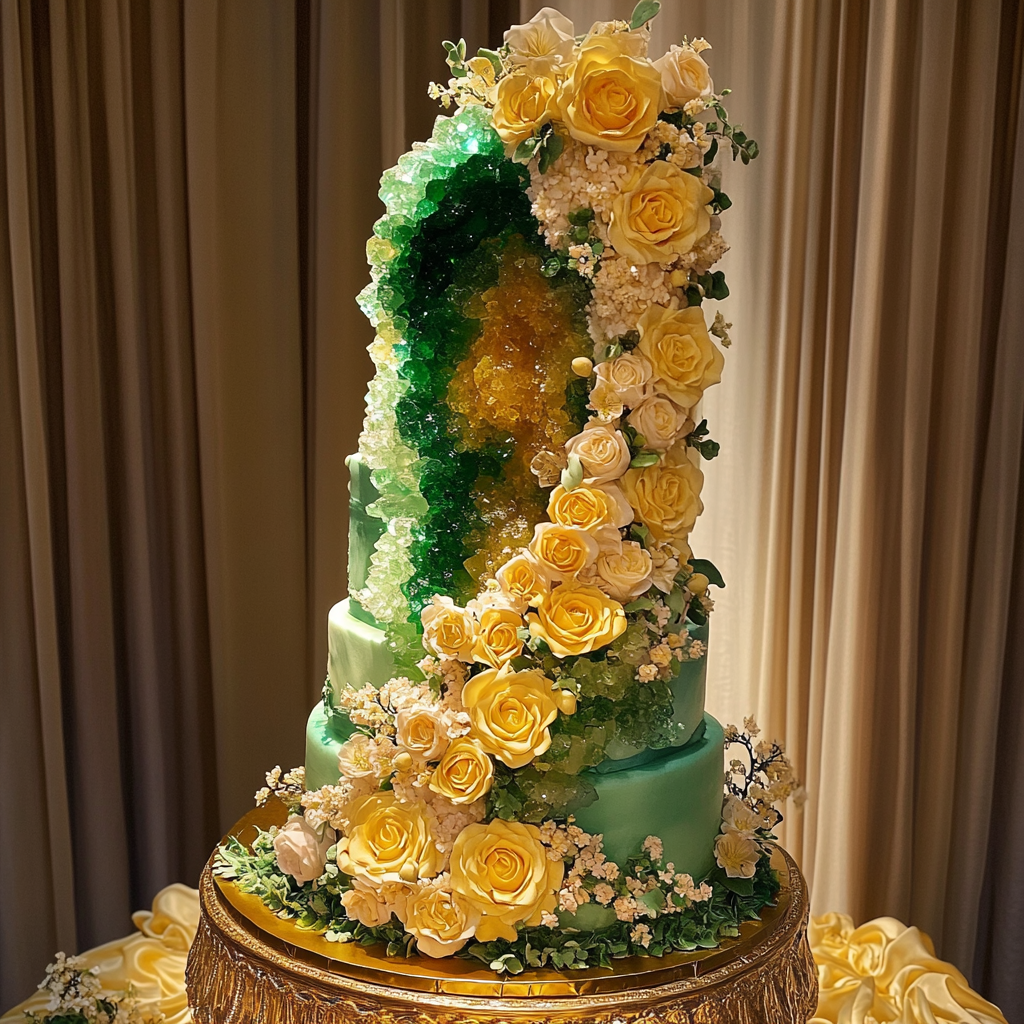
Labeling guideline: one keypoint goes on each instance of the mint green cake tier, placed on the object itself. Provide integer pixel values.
(357, 652)
(676, 797)
(688, 689)
(324, 737)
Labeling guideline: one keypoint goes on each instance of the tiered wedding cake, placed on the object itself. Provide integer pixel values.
(512, 761)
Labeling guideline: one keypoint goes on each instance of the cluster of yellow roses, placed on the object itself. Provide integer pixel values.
(419, 850)
(500, 874)
(604, 91)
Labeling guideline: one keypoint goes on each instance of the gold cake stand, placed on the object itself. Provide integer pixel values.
(247, 965)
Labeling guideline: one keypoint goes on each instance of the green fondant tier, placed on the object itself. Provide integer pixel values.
(357, 652)
(364, 531)
(324, 737)
(676, 797)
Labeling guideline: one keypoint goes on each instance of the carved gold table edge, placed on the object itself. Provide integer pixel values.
(248, 965)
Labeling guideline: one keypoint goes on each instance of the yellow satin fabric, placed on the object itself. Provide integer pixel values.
(880, 973)
(885, 972)
(152, 960)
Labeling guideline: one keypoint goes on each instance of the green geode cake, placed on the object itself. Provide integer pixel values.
(512, 760)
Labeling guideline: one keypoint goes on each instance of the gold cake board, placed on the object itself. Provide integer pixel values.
(247, 965)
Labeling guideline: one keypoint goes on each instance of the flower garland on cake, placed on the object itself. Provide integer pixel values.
(451, 828)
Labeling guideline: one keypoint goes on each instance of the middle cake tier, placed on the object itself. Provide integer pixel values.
(358, 655)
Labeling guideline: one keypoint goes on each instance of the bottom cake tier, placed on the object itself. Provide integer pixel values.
(673, 794)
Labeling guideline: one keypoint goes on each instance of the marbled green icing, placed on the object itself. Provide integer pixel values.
(677, 797)
(363, 531)
(357, 652)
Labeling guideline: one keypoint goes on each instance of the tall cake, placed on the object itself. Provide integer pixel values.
(512, 761)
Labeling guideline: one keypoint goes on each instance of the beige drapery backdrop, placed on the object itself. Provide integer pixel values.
(187, 187)
(865, 509)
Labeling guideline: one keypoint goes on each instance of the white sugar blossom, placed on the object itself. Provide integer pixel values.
(737, 854)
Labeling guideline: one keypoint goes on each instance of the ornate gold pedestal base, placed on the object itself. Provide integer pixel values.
(248, 966)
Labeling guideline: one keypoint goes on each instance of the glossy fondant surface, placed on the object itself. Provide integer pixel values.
(357, 652)
(324, 737)
(677, 796)
(363, 530)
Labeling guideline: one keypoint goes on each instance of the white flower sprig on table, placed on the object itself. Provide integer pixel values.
(77, 997)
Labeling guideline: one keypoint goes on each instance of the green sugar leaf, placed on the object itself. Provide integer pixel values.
(572, 475)
(643, 12)
(551, 150)
(653, 900)
(493, 57)
(708, 568)
(740, 886)
(645, 459)
(639, 532)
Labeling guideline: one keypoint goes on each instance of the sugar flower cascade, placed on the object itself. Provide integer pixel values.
(539, 389)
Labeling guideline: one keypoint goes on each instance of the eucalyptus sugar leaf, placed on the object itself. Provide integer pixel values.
(572, 475)
(644, 12)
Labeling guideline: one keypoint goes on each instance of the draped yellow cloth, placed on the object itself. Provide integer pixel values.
(884, 971)
(878, 973)
(152, 959)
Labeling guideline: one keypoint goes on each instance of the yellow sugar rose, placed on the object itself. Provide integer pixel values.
(686, 361)
(502, 868)
(660, 422)
(684, 75)
(448, 630)
(610, 100)
(626, 573)
(523, 581)
(602, 451)
(522, 105)
(628, 375)
(589, 507)
(420, 730)
(666, 497)
(465, 772)
(441, 920)
(388, 841)
(363, 903)
(577, 619)
(562, 551)
(661, 214)
(497, 640)
(509, 712)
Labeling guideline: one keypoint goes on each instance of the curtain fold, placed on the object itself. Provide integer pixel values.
(186, 187)
(865, 507)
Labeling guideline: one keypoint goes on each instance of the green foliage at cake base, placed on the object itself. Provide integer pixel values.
(678, 923)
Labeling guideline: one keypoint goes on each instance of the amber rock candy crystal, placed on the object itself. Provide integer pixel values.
(512, 383)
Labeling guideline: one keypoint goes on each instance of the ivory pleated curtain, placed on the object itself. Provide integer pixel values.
(185, 189)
